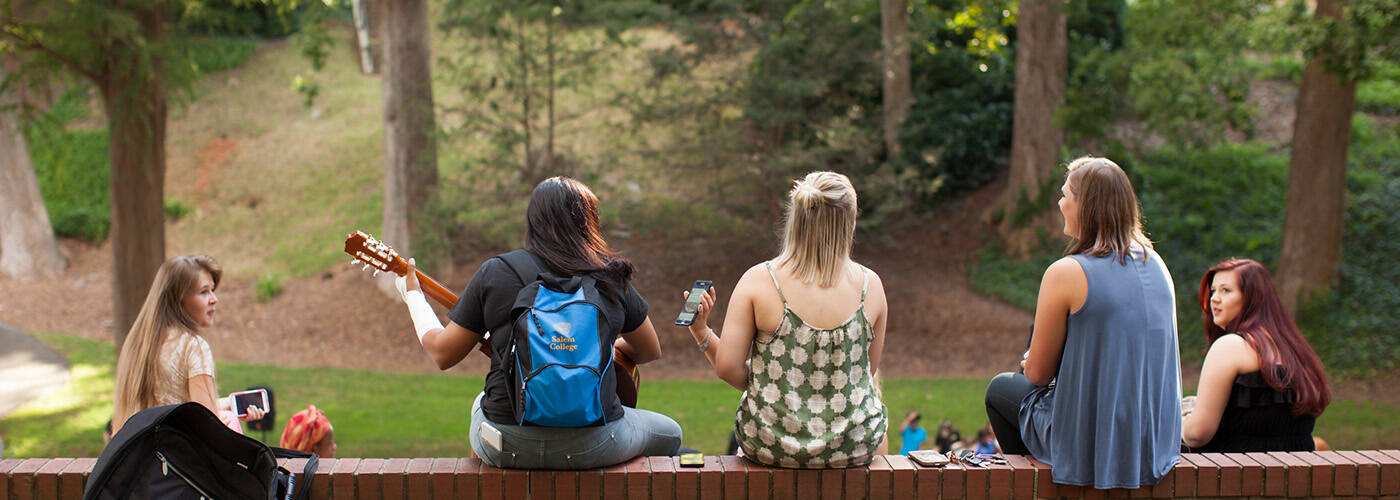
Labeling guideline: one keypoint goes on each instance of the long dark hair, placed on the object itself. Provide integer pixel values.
(562, 228)
(1286, 360)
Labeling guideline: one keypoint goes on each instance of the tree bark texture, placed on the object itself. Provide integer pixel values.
(27, 244)
(1041, 69)
(135, 102)
(410, 131)
(894, 36)
(1317, 172)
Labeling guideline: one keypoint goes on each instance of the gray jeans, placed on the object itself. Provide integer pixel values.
(638, 433)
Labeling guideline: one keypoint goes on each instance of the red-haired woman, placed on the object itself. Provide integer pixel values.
(1262, 386)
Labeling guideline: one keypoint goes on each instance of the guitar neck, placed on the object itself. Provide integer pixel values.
(435, 290)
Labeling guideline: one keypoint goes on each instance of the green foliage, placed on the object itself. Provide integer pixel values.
(71, 167)
(241, 17)
(207, 55)
(959, 131)
(1381, 92)
(176, 209)
(1354, 327)
(1015, 281)
(1201, 207)
(267, 287)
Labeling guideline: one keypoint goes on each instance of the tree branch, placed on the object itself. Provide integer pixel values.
(28, 44)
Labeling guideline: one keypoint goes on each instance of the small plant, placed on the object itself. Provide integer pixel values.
(267, 287)
(176, 209)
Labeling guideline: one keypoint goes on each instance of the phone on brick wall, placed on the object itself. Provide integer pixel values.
(692, 303)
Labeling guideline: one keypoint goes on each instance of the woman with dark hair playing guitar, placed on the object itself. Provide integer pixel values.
(561, 314)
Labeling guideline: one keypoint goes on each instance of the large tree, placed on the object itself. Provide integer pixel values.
(120, 47)
(1041, 69)
(1317, 172)
(1345, 35)
(897, 96)
(27, 244)
(410, 130)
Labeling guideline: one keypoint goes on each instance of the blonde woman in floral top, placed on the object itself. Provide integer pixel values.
(803, 337)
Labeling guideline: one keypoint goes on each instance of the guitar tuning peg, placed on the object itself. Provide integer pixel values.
(354, 262)
(366, 267)
(376, 273)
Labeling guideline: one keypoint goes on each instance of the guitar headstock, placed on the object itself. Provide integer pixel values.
(374, 254)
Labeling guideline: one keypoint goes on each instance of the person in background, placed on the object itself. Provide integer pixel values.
(1262, 386)
(309, 430)
(986, 442)
(811, 325)
(947, 437)
(164, 359)
(912, 436)
(1104, 362)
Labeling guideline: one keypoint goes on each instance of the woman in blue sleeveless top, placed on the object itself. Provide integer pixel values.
(1100, 397)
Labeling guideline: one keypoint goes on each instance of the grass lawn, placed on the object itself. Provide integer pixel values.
(380, 414)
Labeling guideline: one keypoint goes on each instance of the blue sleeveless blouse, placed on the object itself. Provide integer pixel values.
(1112, 416)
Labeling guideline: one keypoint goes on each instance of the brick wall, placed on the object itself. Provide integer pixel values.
(1325, 474)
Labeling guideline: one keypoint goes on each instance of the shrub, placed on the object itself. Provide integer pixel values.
(176, 209)
(213, 54)
(267, 287)
(72, 168)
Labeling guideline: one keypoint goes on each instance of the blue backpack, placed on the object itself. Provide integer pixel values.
(559, 348)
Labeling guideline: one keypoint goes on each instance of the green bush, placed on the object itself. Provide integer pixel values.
(213, 54)
(267, 287)
(72, 168)
(1353, 328)
(1379, 96)
(176, 209)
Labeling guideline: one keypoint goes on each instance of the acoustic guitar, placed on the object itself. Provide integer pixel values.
(378, 257)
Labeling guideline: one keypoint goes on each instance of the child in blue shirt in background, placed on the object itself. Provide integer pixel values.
(911, 433)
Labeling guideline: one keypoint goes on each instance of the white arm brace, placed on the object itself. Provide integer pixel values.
(424, 319)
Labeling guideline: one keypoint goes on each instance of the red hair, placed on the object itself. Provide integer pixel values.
(1266, 326)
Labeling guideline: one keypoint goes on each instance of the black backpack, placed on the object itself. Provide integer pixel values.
(184, 451)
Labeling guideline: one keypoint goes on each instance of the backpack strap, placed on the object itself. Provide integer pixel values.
(524, 264)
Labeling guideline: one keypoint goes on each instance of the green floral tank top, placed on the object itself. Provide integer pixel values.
(811, 401)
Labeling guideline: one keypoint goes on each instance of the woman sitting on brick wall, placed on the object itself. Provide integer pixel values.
(1240, 406)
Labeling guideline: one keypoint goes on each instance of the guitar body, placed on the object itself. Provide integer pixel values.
(379, 257)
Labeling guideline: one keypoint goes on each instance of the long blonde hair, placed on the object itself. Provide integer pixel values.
(138, 366)
(819, 227)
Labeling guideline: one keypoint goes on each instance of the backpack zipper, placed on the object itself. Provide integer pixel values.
(166, 467)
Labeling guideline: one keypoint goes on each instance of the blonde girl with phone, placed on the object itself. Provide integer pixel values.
(803, 338)
(165, 360)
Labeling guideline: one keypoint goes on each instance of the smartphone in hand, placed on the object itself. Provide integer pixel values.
(692, 303)
(242, 400)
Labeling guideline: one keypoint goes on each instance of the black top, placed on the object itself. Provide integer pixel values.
(1259, 418)
(485, 306)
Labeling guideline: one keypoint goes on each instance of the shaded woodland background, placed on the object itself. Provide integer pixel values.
(1264, 129)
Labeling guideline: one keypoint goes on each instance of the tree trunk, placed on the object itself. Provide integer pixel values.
(1041, 67)
(136, 111)
(1317, 172)
(894, 31)
(410, 130)
(27, 244)
(362, 35)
